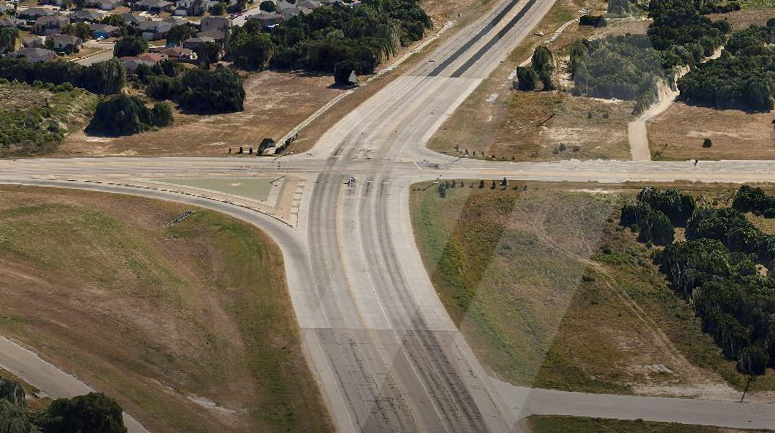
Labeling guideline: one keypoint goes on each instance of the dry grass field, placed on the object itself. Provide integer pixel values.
(550, 292)
(189, 327)
(567, 424)
(735, 134)
(275, 103)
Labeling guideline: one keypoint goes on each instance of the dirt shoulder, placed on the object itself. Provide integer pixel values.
(189, 327)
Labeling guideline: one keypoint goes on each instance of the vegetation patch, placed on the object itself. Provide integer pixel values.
(37, 118)
(551, 292)
(189, 326)
(127, 115)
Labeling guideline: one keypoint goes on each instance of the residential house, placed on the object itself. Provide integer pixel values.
(132, 63)
(308, 4)
(218, 36)
(106, 5)
(86, 16)
(153, 6)
(194, 43)
(6, 9)
(35, 55)
(50, 24)
(176, 21)
(153, 57)
(33, 42)
(65, 43)
(292, 12)
(9, 22)
(104, 31)
(154, 30)
(215, 23)
(267, 19)
(197, 8)
(52, 2)
(133, 19)
(179, 53)
(33, 14)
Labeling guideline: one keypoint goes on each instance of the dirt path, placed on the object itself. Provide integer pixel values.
(637, 133)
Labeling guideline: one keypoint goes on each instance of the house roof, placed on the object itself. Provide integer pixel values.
(155, 26)
(35, 12)
(35, 55)
(153, 3)
(86, 15)
(103, 28)
(178, 52)
(217, 21)
(8, 22)
(131, 18)
(52, 19)
(176, 21)
(153, 57)
(198, 40)
(215, 34)
(309, 4)
(267, 18)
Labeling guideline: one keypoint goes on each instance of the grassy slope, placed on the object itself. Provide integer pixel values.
(35, 120)
(523, 275)
(566, 424)
(157, 316)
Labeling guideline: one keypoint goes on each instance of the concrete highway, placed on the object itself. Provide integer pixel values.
(387, 355)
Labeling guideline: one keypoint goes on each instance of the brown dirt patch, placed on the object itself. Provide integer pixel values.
(735, 134)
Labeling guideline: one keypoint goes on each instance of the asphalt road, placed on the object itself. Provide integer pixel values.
(382, 346)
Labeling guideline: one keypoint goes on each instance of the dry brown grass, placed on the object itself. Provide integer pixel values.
(496, 120)
(160, 318)
(735, 134)
(275, 103)
(743, 18)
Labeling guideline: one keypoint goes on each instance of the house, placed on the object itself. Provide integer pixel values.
(199, 7)
(65, 43)
(308, 4)
(104, 31)
(194, 43)
(267, 19)
(33, 42)
(33, 14)
(216, 35)
(283, 5)
(179, 53)
(176, 21)
(9, 22)
(86, 16)
(50, 24)
(133, 19)
(153, 57)
(153, 6)
(106, 5)
(5, 9)
(292, 12)
(35, 55)
(215, 23)
(154, 30)
(132, 63)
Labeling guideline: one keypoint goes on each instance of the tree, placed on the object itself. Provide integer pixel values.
(129, 46)
(707, 143)
(15, 419)
(218, 91)
(12, 392)
(543, 60)
(218, 9)
(442, 190)
(655, 227)
(179, 34)
(252, 52)
(343, 71)
(208, 53)
(527, 78)
(267, 6)
(126, 115)
(80, 30)
(105, 78)
(114, 20)
(93, 412)
(10, 39)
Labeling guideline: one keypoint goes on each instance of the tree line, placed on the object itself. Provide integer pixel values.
(716, 268)
(93, 412)
(103, 78)
(357, 38)
(742, 78)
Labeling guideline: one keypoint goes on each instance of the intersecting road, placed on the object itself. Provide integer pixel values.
(384, 350)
